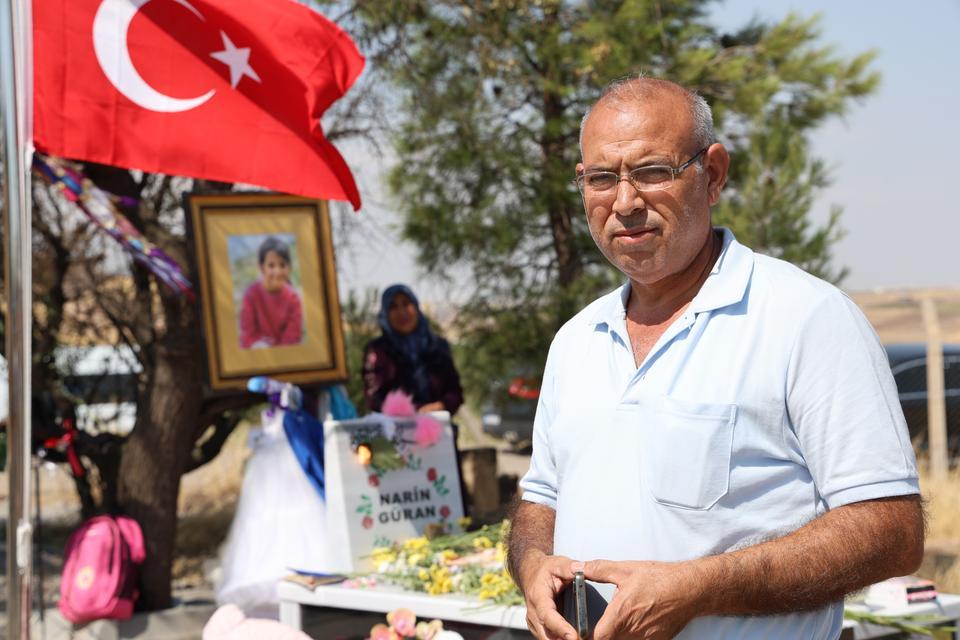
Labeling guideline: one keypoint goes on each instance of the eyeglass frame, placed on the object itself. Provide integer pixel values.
(674, 172)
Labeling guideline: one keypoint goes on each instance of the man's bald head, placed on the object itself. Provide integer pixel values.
(640, 90)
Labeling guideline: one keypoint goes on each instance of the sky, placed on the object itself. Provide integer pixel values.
(893, 156)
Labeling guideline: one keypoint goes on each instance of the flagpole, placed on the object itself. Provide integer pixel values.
(16, 77)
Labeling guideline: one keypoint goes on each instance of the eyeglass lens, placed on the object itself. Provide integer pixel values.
(647, 178)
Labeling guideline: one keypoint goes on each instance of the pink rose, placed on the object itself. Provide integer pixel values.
(427, 432)
(398, 404)
(381, 632)
(404, 622)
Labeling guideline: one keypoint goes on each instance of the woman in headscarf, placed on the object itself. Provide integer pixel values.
(410, 357)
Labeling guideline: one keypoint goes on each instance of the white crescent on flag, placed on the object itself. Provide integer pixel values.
(110, 27)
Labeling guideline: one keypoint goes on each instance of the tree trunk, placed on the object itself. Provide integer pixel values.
(154, 458)
(569, 266)
(553, 143)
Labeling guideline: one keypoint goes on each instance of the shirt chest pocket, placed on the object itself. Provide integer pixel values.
(685, 449)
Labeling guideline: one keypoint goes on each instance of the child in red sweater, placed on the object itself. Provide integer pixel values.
(270, 315)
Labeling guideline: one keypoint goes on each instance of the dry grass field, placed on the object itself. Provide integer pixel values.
(896, 316)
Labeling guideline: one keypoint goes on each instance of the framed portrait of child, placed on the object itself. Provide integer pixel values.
(268, 296)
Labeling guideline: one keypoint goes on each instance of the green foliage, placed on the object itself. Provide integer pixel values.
(360, 326)
(488, 102)
(768, 204)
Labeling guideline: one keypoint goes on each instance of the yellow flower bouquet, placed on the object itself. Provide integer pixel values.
(472, 563)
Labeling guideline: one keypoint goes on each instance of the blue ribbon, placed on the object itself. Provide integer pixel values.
(305, 434)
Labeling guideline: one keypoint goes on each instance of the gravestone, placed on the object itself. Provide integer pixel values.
(403, 492)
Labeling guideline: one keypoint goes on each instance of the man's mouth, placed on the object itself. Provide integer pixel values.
(635, 232)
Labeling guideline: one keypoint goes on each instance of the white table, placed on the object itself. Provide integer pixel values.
(451, 608)
(385, 598)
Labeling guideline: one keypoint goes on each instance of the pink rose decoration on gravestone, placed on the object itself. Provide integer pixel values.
(367, 522)
(444, 512)
(427, 432)
(431, 474)
(373, 480)
(399, 405)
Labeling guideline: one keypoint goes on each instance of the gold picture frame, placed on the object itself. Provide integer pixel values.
(241, 245)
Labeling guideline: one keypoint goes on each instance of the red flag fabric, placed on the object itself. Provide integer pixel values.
(229, 90)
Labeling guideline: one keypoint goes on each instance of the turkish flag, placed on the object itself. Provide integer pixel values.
(229, 90)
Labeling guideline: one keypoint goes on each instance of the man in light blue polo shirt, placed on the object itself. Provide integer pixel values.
(719, 442)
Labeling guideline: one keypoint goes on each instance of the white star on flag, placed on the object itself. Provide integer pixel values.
(238, 59)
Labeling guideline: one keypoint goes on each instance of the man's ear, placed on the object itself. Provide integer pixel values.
(716, 164)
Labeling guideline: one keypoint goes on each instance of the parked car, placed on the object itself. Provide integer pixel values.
(103, 380)
(909, 365)
(509, 414)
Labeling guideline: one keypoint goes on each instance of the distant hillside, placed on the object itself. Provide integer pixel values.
(896, 315)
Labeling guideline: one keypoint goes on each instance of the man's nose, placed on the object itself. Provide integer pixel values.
(628, 199)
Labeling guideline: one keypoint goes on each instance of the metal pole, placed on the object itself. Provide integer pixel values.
(16, 68)
(936, 403)
(38, 547)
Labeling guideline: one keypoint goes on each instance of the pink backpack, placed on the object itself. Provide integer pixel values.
(99, 577)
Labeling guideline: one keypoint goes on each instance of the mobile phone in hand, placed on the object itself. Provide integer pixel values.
(575, 605)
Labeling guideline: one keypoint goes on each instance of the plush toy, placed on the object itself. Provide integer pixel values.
(229, 623)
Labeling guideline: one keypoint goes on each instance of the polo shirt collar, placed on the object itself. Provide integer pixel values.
(728, 280)
(612, 308)
(726, 284)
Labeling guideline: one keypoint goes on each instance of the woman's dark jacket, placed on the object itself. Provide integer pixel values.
(386, 369)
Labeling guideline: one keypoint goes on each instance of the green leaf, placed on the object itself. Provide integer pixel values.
(385, 455)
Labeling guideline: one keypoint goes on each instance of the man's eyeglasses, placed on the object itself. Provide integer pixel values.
(649, 178)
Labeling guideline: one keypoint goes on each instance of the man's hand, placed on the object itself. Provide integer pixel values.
(540, 575)
(653, 599)
(543, 578)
